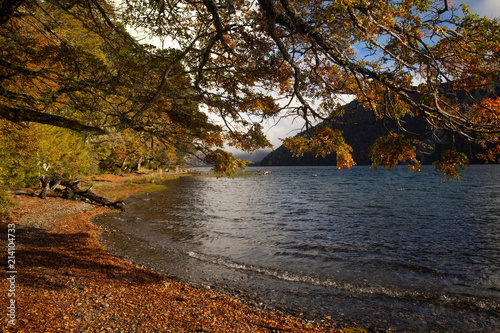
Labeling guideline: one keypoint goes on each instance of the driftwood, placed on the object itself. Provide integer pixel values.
(51, 187)
(23, 191)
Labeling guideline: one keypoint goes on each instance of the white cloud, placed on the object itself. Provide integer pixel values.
(488, 8)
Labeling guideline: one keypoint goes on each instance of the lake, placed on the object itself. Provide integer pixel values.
(384, 250)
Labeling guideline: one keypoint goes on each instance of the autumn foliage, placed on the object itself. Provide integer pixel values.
(392, 150)
(219, 68)
(324, 141)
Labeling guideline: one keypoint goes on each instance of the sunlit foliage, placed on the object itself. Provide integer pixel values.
(392, 150)
(74, 65)
(324, 141)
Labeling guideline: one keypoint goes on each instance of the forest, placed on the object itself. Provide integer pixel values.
(81, 95)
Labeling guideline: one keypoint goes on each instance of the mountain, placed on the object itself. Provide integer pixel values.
(363, 132)
(254, 157)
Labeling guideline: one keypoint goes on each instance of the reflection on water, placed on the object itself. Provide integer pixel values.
(391, 249)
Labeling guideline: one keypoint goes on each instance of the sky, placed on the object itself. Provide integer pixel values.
(489, 8)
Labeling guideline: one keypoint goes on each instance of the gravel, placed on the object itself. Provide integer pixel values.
(39, 213)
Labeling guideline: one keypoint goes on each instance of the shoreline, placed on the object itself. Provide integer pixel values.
(67, 281)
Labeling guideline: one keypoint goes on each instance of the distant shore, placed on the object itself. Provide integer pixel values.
(64, 280)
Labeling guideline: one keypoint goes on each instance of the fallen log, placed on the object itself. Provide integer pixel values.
(36, 193)
(23, 191)
(51, 187)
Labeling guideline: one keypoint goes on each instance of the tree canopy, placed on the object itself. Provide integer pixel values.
(72, 64)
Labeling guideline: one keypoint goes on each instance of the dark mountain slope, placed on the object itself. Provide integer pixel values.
(363, 132)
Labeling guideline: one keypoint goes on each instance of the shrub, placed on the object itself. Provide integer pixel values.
(5, 203)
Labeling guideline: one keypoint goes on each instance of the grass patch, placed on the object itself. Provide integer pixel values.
(121, 191)
(151, 179)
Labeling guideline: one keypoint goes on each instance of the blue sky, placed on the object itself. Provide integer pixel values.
(489, 8)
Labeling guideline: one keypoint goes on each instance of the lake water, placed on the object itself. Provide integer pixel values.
(382, 250)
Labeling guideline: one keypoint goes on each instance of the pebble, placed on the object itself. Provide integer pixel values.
(38, 213)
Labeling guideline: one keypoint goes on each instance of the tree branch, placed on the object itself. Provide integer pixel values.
(17, 115)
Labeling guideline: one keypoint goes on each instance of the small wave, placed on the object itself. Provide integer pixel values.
(414, 295)
(414, 189)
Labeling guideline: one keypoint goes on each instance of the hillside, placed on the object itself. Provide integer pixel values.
(362, 131)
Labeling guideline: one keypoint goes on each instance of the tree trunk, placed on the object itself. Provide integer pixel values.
(139, 162)
(45, 184)
(123, 164)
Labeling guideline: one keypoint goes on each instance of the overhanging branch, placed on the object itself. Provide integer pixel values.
(17, 115)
